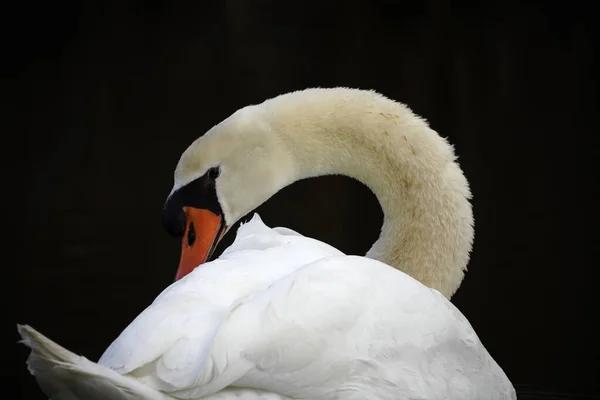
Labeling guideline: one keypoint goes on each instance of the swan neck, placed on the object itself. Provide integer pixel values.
(427, 230)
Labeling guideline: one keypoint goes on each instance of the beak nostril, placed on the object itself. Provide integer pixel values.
(191, 235)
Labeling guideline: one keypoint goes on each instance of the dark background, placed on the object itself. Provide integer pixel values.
(109, 95)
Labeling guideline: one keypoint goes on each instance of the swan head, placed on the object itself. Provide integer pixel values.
(222, 176)
(241, 162)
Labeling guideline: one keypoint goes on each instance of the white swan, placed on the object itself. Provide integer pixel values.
(283, 316)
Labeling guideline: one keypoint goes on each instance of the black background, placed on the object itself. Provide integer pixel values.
(109, 95)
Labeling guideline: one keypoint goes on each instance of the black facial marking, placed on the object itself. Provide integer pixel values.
(214, 173)
(200, 193)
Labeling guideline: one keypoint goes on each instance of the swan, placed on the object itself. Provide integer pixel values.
(283, 316)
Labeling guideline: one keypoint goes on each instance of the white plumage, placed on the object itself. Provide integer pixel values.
(321, 325)
(282, 316)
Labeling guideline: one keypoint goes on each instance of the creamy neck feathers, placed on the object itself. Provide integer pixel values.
(428, 222)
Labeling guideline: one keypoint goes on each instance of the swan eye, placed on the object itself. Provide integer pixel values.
(213, 173)
(191, 235)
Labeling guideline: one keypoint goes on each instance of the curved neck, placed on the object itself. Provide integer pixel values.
(428, 224)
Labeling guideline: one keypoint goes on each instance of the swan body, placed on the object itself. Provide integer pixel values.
(313, 327)
(282, 316)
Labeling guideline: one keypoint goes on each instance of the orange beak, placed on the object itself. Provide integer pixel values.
(203, 231)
